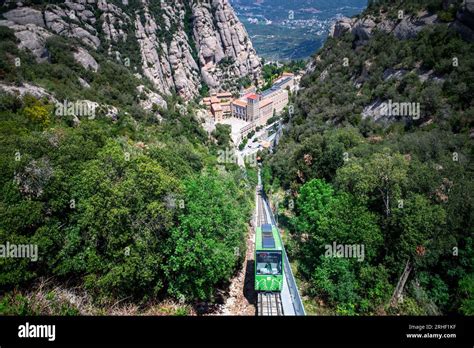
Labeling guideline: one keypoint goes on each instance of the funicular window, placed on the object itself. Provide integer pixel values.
(269, 262)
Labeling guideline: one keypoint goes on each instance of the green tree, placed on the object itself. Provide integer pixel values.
(417, 237)
(204, 249)
(380, 177)
(466, 286)
(118, 227)
(323, 218)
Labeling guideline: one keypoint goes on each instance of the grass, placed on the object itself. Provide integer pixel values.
(46, 297)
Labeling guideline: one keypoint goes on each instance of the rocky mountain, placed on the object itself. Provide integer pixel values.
(406, 25)
(398, 27)
(178, 45)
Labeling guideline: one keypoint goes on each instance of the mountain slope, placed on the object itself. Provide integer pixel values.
(106, 171)
(378, 153)
(178, 45)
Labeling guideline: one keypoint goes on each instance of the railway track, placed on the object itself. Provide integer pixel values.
(262, 216)
(288, 301)
(269, 304)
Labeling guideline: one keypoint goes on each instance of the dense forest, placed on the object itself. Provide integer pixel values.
(131, 208)
(402, 187)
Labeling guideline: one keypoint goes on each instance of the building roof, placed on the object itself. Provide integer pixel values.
(269, 91)
(282, 81)
(239, 102)
(224, 95)
(216, 107)
(214, 100)
(252, 96)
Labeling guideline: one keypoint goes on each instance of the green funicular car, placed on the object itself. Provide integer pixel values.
(268, 259)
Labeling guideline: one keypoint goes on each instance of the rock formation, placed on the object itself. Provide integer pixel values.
(179, 45)
(464, 23)
(362, 28)
(409, 26)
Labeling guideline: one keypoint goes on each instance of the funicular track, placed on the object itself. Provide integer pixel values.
(288, 301)
(268, 303)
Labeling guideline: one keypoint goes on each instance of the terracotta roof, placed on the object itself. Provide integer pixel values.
(252, 96)
(214, 100)
(239, 102)
(224, 94)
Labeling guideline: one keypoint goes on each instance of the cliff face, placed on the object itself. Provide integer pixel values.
(464, 22)
(179, 45)
(391, 57)
(362, 28)
(409, 26)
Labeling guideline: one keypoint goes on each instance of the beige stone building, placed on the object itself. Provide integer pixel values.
(278, 96)
(220, 105)
(251, 108)
(255, 109)
(260, 108)
(217, 112)
(249, 90)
